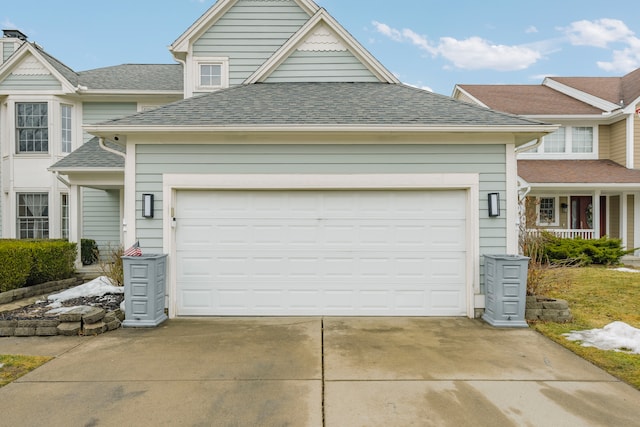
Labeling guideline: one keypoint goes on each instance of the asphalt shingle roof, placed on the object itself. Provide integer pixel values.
(576, 172)
(149, 77)
(320, 104)
(90, 155)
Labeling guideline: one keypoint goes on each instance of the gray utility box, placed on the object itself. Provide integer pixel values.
(144, 290)
(505, 279)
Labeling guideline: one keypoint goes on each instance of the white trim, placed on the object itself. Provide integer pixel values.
(568, 139)
(636, 222)
(299, 37)
(199, 61)
(580, 95)
(630, 142)
(624, 219)
(171, 183)
(129, 230)
(458, 89)
(512, 199)
(556, 211)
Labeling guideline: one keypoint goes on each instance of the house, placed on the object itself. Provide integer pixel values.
(584, 179)
(296, 175)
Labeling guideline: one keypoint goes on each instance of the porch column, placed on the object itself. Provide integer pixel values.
(636, 223)
(75, 219)
(596, 214)
(624, 219)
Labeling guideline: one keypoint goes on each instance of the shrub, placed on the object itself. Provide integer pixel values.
(15, 259)
(582, 252)
(28, 262)
(111, 266)
(51, 260)
(88, 251)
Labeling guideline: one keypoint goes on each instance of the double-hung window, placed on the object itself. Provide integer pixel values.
(33, 216)
(64, 215)
(65, 125)
(32, 127)
(547, 211)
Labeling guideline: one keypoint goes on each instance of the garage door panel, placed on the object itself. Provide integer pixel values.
(321, 253)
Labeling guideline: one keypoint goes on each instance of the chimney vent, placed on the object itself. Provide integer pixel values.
(15, 34)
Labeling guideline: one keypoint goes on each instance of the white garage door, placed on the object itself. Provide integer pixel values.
(381, 253)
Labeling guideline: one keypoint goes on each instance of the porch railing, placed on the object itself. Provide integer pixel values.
(565, 233)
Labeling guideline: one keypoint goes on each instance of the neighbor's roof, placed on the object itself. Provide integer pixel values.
(612, 89)
(528, 100)
(576, 172)
(319, 104)
(91, 156)
(145, 77)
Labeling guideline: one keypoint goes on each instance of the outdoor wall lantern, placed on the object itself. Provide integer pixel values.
(494, 204)
(147, 205)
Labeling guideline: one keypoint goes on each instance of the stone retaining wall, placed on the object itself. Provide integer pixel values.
(83, 320)
(547, 309)
(41, 289)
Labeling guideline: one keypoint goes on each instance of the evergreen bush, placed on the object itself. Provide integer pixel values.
(88, 251)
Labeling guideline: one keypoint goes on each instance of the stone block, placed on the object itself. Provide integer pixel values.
(550, 315)
(24, 332)
(48, 323)
(8, 323)
(533, 303)
(30, 323)
(6, 297)
(46, 331)
(533, 313)
(93, 315)
(95, 328)
(69, 328)
(556, 305)
(113, 325)
(7, 331)
(74, 315)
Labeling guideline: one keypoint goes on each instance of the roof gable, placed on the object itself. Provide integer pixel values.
(28, 60)
(180, 47)
(322, 32)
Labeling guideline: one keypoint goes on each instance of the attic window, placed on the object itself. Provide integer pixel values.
(212, 74)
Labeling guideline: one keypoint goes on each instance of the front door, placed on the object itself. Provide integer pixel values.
(582, 212)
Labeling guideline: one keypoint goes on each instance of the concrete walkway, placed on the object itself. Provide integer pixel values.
(313, 372)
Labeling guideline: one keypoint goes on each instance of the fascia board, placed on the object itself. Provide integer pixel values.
(108, 130)
(458, 89)
(290, 45)
(130, 92)
(535, 186)
(67, 170)
(580, 95)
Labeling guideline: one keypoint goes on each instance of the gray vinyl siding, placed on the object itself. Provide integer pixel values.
(101, 218)
(7, 50)
(96, 112)
(249, 34)
(486, 160)
(308, 66)
(30, 83)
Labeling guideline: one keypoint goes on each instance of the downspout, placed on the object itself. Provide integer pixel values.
(111, 150)
(61, 179)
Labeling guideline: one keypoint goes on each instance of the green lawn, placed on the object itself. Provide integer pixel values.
(597, 296)
(13, 367)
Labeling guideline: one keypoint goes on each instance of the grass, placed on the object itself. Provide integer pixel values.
(597, 296)
(13, 367)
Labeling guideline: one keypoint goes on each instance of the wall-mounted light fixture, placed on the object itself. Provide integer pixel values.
(564, 207)
(147, 205)
(494, 204)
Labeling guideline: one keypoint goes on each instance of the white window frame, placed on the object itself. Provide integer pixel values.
(64, 216)
(18, 128)
(223, 62)
(556, 211)
(568, 148)
(43, 220)
(66, 128)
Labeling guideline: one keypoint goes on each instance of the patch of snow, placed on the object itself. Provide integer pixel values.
(62, 310)
(617, 336)
(122, 306)
(1, 365)
(626, 270)
(95, 288)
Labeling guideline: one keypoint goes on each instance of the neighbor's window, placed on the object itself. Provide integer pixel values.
(64, 215)
(33, 216)
(555, 142)
(32, 127)
(65, 126)
(582, 140)
(547, 210)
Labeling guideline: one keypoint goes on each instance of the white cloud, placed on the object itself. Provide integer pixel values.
(473, 53)
(531, 29)
(603, 33)
(598, 33)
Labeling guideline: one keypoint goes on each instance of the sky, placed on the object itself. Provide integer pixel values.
(425, 43)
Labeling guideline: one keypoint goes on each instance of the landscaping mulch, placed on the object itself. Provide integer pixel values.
(38, 310)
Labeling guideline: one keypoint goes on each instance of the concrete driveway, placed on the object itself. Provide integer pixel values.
(313, 372)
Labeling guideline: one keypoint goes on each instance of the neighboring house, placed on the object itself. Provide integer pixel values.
(583, 180)
(43, 106)
(299, 177)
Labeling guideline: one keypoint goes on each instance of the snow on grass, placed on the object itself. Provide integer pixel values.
(95, 288)
(626, 270)
(617, 336)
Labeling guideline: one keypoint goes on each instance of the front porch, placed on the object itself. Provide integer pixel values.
(565, 233)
